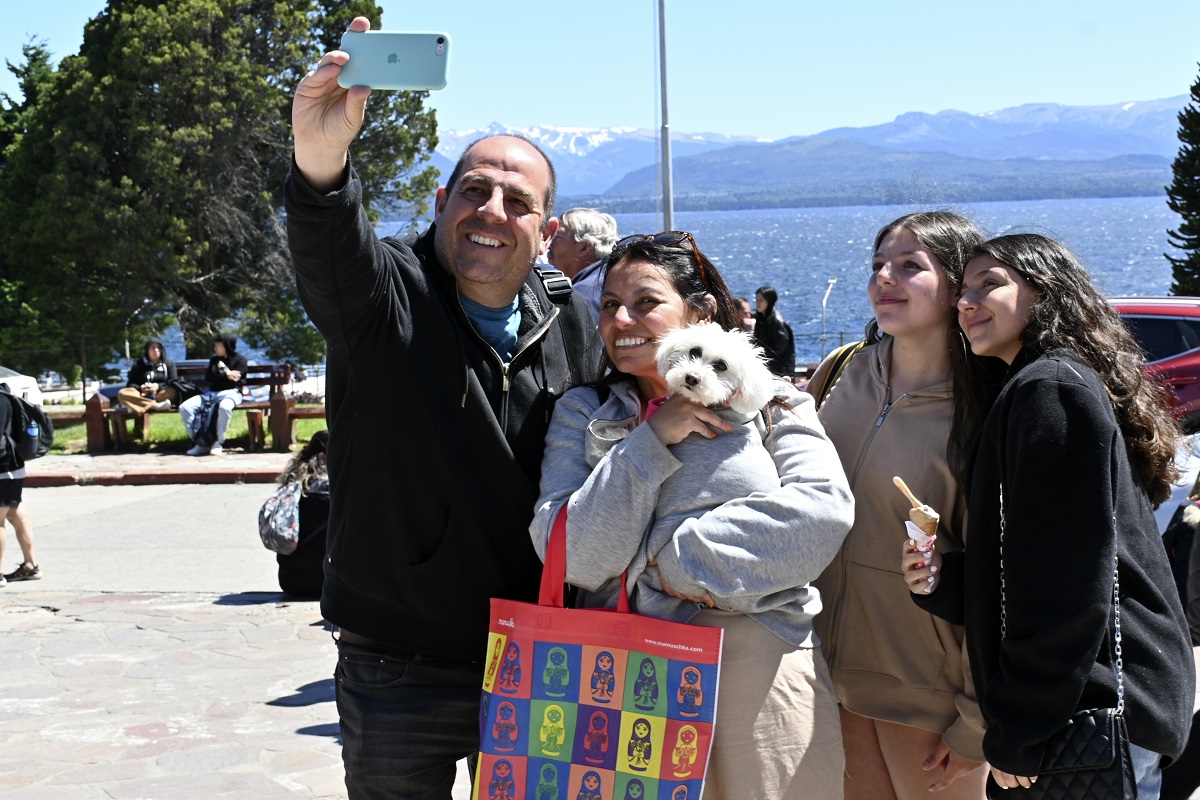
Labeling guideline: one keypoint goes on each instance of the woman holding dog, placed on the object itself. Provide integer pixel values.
(745, 565)
(909, 722)
(1070, 461)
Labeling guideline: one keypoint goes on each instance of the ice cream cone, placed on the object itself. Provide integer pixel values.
(924, 519)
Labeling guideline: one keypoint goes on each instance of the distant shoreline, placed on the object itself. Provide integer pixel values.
(741, 202)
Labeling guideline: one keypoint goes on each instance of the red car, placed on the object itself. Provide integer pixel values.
(1168, 329)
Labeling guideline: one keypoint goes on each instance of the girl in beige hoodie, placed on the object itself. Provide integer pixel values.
(909, 720)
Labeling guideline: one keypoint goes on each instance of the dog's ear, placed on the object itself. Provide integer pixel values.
(757, 390)
(758, 384)
(664, 355)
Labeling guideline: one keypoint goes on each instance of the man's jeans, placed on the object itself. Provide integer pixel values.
(405, 722)
(229, 400)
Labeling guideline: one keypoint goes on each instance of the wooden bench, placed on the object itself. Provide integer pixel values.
(60, 418)
(107, 429)
(283, 416)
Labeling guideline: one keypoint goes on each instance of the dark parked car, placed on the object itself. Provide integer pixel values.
(1168, 329)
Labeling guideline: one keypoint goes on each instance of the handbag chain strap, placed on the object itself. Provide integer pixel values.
(1116, 610)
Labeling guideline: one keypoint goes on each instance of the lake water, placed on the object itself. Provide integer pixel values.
(1121, 240)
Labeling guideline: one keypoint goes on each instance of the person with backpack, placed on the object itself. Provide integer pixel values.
(774, 335)
(469, 347)
(206, 416)
(909, 721)
(302, 570)
(12, 481)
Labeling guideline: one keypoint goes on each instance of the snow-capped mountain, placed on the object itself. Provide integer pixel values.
(1076, 151)
(589, 160)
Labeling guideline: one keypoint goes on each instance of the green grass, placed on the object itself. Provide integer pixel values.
(167, 435)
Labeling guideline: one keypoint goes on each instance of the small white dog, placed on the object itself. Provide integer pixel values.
(710, 366)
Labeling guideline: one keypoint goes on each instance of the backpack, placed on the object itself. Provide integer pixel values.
(204, 424)
(841, 357)
(184, 390)
(30, 433)
(556, 284)
(279, 519)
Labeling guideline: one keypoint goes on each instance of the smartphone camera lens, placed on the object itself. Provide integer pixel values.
(441, 40)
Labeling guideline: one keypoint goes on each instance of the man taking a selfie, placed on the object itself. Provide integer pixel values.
(446, 353)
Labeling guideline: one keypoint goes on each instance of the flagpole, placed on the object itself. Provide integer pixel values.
(668, 196)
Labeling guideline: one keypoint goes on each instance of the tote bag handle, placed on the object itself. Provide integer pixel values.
(554, 572)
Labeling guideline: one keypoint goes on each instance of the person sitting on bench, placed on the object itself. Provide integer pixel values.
(146, 387)
(225, 376)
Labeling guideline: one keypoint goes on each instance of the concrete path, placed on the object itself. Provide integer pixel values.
(157, 658)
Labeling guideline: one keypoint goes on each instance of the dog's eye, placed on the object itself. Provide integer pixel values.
(695, 352)
(719, 366)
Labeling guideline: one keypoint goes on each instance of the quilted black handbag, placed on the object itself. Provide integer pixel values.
(1088, 758)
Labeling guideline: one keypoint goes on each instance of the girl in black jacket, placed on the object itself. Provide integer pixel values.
(1074, 455)
(147, 384)
(774, 335)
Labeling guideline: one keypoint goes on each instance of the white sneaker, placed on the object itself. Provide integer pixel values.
(216, 449)
(163, 405)
(198, 450)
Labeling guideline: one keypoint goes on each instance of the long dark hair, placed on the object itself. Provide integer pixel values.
(770, 296)
(1070, 313)
(692, 274)
(951, 239)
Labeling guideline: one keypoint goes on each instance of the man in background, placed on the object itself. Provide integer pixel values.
(584, 239)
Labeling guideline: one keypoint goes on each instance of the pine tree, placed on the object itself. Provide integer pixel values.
(151, 165)
(1183, 197)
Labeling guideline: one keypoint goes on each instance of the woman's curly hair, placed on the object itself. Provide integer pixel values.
(1070, 313)
(307, 465)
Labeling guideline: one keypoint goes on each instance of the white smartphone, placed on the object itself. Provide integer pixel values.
(395, 59)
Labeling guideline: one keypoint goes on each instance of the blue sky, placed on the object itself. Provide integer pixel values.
(768, 68)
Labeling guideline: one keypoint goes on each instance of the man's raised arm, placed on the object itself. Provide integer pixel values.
(326, 118)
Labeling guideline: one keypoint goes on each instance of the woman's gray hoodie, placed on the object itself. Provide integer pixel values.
(753, 549)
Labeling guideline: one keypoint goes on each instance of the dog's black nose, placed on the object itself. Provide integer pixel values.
(691, 380)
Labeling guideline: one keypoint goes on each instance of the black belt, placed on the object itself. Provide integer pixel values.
(395, 652)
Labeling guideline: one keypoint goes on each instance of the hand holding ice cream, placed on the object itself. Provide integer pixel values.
(920, 561)
(923, 523)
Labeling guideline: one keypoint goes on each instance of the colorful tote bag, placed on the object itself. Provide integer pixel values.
(593, 704)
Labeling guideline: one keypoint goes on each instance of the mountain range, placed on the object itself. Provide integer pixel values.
(1033, 151)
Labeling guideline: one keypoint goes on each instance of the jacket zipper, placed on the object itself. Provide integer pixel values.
(887, 406)
(836, 625)
(535, 336)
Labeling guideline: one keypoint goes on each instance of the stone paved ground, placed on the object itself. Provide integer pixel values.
(143, 696)
(156, 660)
